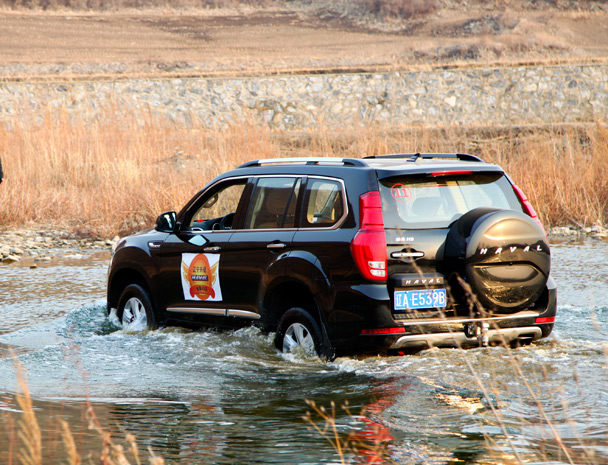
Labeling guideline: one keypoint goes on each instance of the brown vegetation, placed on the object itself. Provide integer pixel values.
(117, 174)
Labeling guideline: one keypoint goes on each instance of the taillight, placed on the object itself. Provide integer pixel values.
(527, 206)
(369, 244)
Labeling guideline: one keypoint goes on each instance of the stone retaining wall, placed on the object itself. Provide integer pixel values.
(508, 95)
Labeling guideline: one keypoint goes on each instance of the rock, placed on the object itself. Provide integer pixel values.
(16, 251)
(11, 259)
(5, 251)
(599, 231)
(563, 231)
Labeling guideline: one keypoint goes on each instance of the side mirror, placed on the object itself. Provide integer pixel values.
(166, 222)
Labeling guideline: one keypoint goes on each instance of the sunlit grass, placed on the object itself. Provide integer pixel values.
(116, 174)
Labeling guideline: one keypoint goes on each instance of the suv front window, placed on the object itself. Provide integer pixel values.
(220, 205)
(273, 203)
(437, 201)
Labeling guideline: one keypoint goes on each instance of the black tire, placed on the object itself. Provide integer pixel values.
(297, 319)
(546, 330)
(134, 294)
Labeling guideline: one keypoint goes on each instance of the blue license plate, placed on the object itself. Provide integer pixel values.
(419, 299)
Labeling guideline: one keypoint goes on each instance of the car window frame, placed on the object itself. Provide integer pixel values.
(246, 196)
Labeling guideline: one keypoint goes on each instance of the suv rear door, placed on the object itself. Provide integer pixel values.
(418, 211)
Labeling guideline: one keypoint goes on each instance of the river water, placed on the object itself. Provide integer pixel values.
(197, 397)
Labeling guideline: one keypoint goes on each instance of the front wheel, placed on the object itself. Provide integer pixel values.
(298, 329)
(135, 311)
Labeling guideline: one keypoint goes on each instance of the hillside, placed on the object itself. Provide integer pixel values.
(89, 37)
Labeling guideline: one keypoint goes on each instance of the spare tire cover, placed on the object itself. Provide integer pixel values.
(504, 255)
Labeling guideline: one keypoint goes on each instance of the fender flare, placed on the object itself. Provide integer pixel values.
(304, 269)
(136, 260)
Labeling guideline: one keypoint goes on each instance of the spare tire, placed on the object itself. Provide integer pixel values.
(502, 254)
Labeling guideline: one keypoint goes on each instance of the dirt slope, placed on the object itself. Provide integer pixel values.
(299, 35)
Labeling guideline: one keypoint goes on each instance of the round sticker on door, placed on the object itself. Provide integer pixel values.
(401, 193)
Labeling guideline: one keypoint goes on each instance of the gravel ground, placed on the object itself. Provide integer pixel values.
(44, 245)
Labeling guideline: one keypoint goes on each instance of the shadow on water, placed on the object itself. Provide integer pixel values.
(229, 397)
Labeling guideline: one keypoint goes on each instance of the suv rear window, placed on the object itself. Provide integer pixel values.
(423, 201)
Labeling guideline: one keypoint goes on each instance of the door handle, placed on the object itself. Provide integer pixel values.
(212, 249)
(275, 245)
(407, 254)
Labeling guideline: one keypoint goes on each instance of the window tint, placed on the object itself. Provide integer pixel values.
(435, 202)
(219, 205)
(324, 204)
(273, 204)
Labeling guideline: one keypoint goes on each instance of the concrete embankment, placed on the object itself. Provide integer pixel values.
(501, 95)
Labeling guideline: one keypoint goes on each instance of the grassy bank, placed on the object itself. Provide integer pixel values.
(115, 175)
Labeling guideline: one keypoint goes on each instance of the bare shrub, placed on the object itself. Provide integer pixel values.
(405, 9)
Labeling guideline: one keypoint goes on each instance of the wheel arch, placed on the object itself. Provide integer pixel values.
(299, 281)
(285, 295)
(120, 280)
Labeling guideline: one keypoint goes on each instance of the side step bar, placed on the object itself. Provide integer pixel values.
(459, 339)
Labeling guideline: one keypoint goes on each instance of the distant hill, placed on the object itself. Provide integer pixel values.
(88, 37)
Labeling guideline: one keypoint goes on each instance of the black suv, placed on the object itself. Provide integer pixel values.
(385, 253)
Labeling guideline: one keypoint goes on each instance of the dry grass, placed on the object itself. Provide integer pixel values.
(115, 175)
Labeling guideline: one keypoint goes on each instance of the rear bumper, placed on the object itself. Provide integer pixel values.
(377, 331)
(460, 339)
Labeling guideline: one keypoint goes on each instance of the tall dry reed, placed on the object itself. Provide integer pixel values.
(115, 174)
(29, 439)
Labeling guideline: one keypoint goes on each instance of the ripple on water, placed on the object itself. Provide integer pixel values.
(234, 393)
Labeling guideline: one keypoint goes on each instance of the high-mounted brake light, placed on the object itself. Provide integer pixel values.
(368, 247)
(527, 206)
(451, 172)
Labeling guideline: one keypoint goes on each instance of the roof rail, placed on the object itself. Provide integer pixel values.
(305, 161)
(426, 156)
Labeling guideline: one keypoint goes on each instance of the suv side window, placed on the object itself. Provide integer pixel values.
(219, 207)
(273, 203)
(324, 205)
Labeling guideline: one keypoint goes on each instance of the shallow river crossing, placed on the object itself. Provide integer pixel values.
(202, 397)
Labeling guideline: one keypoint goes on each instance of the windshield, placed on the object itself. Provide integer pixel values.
(424, 201)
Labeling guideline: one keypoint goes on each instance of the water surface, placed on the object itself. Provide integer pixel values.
(198, 397)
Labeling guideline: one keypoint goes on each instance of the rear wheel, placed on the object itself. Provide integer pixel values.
(135, 310)
(546, 329)
(297, 329)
